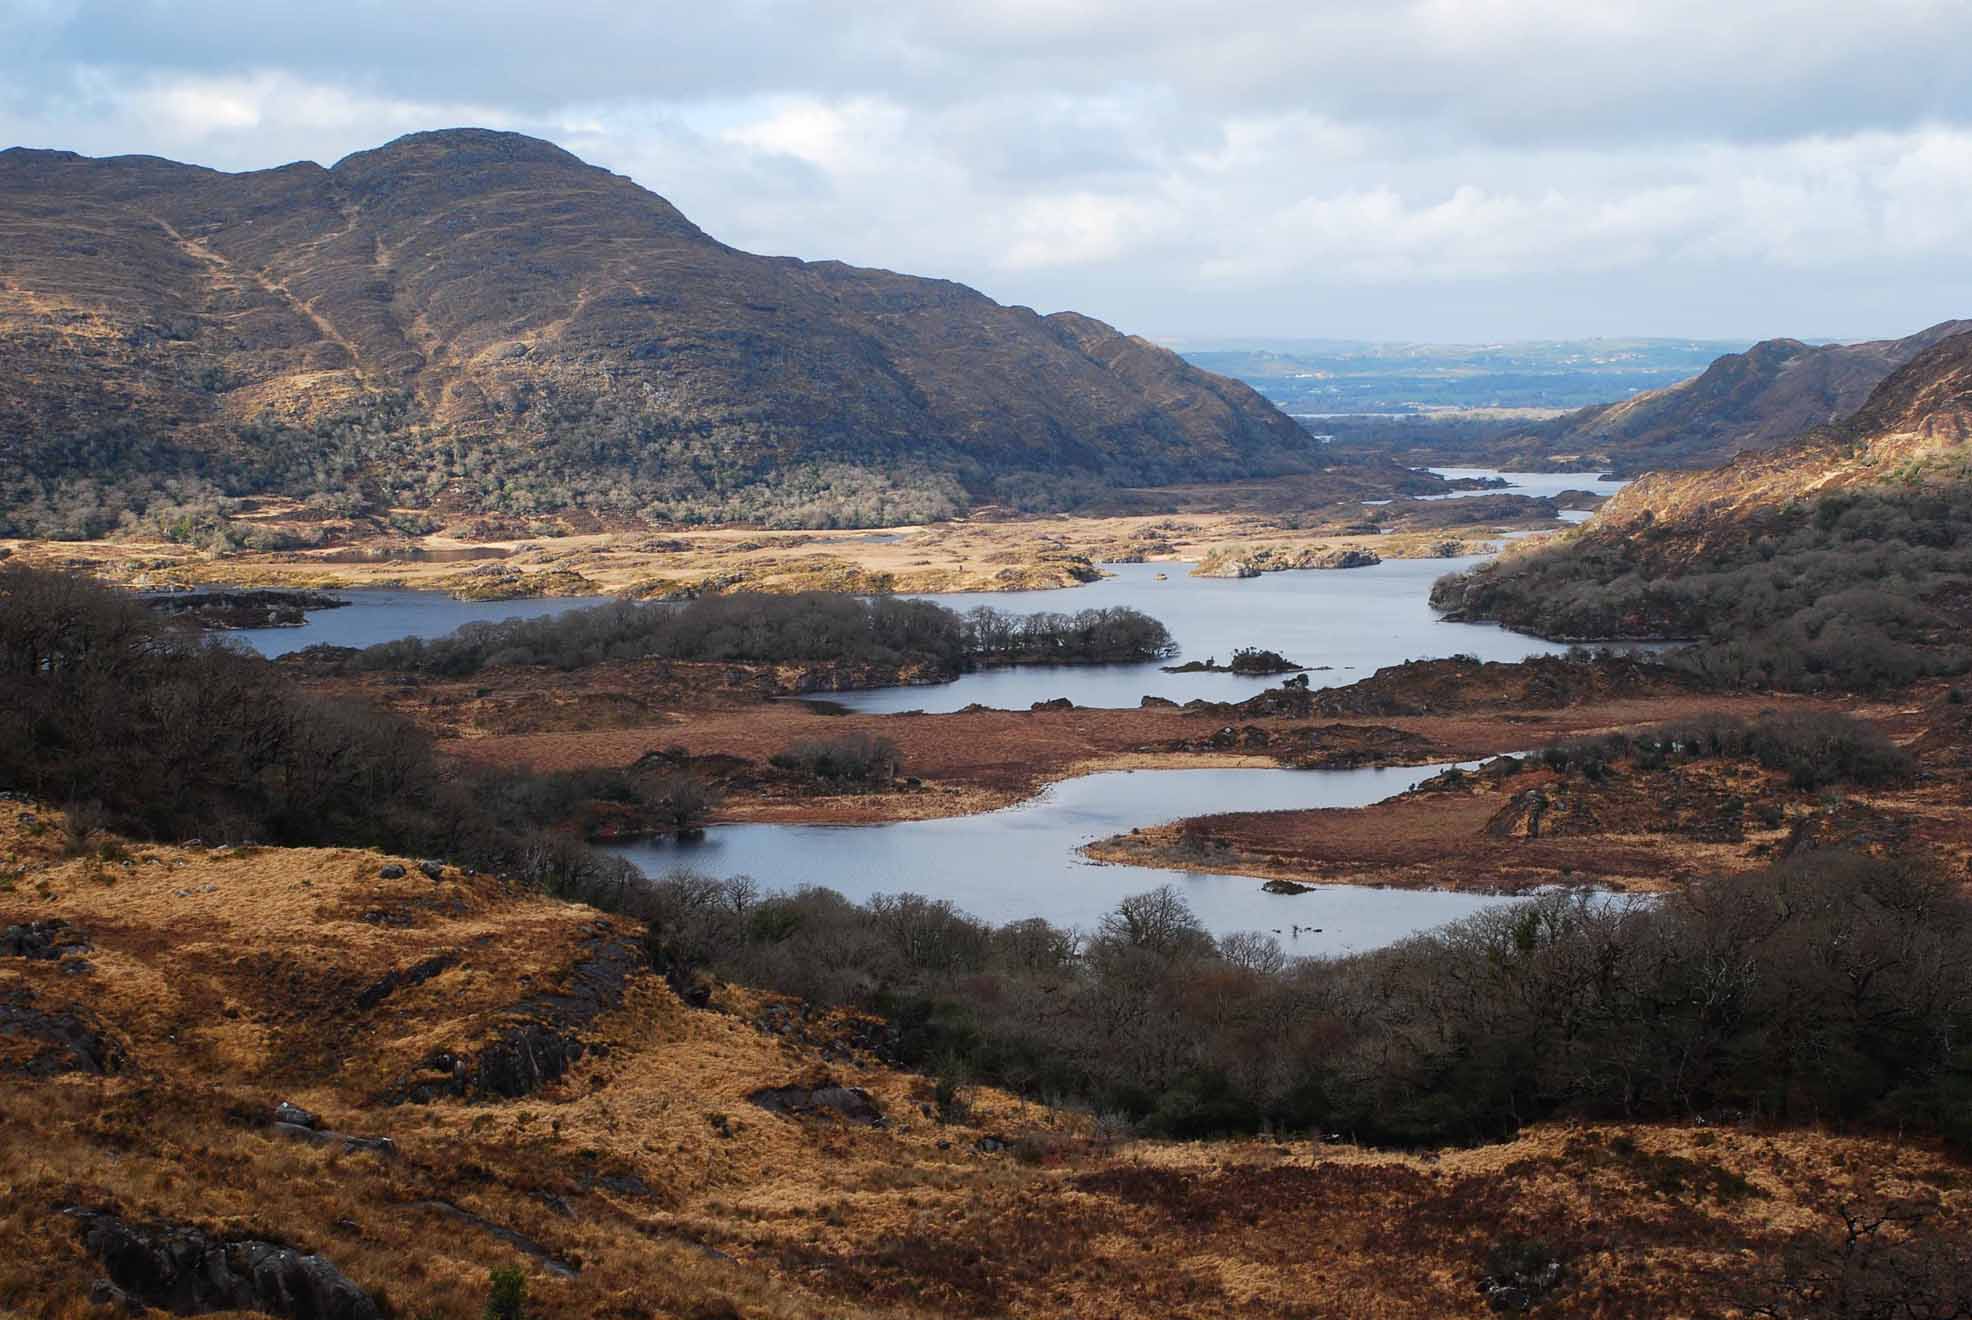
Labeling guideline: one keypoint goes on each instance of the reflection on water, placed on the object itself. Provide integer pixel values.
(1022, 861)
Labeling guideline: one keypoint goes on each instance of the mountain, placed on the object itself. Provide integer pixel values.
(480, 320)
(1775, 390)
(1839, 559)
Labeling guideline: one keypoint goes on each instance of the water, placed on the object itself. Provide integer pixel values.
(1023, 861)
(1352, 620)
(1534, 485)
(385, 616)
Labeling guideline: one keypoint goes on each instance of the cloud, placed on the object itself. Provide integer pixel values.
(1431, 168)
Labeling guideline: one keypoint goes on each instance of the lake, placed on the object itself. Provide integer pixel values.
(1022, 861)
(386, 616)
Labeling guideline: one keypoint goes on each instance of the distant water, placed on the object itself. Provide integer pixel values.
(385, 616)
(1022, 862)
(1352, 620)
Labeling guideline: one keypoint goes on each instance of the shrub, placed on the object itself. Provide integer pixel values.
(506, 1294)
(852, 758)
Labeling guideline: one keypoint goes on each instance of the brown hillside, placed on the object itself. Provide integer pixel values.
(1913, 427)
(482, 320)
(489, 1079)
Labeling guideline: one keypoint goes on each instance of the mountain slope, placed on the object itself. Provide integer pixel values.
(1775, 390)
(481, 320)
(1840, 559)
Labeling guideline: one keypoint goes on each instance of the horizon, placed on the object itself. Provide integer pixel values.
(1442, 171)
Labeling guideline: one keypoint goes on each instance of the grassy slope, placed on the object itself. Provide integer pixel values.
(230, 981)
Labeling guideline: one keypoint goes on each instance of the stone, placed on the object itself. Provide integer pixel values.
(432, 870)
(183, 1269)
(289, 1112)
(391, 872)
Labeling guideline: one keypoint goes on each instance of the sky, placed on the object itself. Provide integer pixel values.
(1425, 170)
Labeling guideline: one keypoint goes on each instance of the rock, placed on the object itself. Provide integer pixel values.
(527, 1246)
(1059, 703)
(433, 870)
(42, 940)
(1157, 703)
(825, 1095)
(391, 872)
(391, 982)
(323, 1137)
(69, 1044)
(1286, 887)
(1519, 1276)
(535, 1053)
(183, 1269)
(990, 1145)
(289, 1112)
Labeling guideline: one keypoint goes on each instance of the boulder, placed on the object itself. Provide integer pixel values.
(824, 1097)
(186, 1270)
(391, 872)
(289, 1112)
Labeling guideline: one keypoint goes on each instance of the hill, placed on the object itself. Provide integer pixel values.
(1774, 391)
(472, 320)
(321, 1083)
(1839, 558)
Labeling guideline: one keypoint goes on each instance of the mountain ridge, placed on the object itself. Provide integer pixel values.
(480, 320)
(1777, 389)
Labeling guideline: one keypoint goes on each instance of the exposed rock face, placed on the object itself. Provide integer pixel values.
(546, 1041)
(487, 291)
(188, 1271)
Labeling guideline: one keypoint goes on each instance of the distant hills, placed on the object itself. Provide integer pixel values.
(474, 320)
(1700, 409)
(1841, 558)
(1314, 377)
(1775, 390)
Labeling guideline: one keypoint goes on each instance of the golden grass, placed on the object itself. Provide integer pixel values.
(228, 976)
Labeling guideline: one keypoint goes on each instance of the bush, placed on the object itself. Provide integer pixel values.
(169, 736)
(506, 1294)
(1815, 750)
(852, 758)
(1843, 592)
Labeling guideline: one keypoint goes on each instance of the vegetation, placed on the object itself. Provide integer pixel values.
(162, 735)
(1852, 591)
(1828, 989)
(1815, 750)
(772, 628)
(852, 758)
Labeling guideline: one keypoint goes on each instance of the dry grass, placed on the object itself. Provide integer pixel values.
(229, 978)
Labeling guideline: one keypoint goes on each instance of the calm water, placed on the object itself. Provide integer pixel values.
(385, 616)
(1353, 620)
(1023, 861)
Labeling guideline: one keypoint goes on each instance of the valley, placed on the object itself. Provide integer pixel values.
(550, 765)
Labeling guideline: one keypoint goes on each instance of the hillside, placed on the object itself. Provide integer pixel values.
(1771, 393)
(1837, 558)
(319, 1083)
(472, 320)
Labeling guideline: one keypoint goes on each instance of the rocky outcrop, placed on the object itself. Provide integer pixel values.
(823, 1097)
(545, 1038)
(188, 1271)
(63, 1040)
